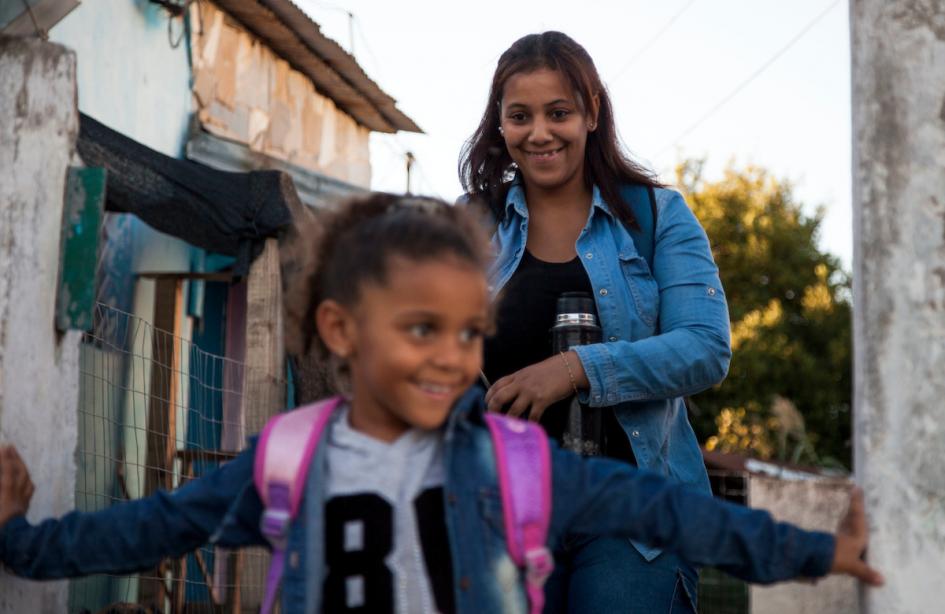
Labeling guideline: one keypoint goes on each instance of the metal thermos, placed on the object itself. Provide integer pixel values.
(576, 324)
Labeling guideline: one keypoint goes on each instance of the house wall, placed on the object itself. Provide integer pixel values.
(243, 91)
(38, 366)
(811, 504)
(131, 78)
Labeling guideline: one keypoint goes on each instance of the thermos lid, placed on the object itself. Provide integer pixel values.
(576, 302)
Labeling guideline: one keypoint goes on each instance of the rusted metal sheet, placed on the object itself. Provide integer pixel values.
(246, 92)
(286, 29)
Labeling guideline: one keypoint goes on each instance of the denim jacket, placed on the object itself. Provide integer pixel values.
(589, 497)
(666, 330)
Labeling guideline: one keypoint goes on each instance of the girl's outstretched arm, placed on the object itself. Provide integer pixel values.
(852, 538)
(605, 497)
(131, 536)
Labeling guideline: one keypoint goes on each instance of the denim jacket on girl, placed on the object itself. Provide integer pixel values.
(589, 497)
(666, 330)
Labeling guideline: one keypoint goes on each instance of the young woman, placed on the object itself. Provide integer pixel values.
(547, 161)
(401, 509)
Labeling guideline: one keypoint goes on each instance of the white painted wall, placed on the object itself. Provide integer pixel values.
(129, 76)
(815, 505)
(38, 367)
(132, 80)
(898, 56)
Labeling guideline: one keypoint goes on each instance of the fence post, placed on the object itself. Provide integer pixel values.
(263, 385)
(264, 366)
(39, 367)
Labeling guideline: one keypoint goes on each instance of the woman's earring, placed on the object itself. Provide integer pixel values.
(501, 131)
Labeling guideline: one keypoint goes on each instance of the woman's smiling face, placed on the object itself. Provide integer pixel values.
(545, 128)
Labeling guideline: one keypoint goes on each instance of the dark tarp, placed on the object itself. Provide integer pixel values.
(227, 213)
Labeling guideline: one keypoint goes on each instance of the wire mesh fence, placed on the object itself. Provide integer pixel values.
(720, 593)
(155, 411)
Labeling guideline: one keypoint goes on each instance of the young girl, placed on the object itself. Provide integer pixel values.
(565, 197)
(401, 511)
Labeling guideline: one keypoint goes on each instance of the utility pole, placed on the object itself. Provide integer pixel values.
(351, 32)
(898, 62)
(410, 160)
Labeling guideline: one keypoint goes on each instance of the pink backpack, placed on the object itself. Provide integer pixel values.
(523, 462)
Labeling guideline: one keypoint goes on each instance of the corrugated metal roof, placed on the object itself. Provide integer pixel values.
(292, 34)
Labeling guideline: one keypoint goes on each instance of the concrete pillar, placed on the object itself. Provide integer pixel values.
(898, 56)
(39, 368)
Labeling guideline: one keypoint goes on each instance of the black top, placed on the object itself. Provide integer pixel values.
(525, 315)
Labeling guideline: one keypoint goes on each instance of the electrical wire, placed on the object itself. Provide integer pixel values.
(358, 29)
(394, 163)
(399, 149)
(339, 9)
(636, 56)
(328, 6)
(767, 64)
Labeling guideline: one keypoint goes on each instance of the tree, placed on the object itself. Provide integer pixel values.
(789, 305)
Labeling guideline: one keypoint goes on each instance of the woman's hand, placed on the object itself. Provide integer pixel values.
(537, 386)
(16, 488)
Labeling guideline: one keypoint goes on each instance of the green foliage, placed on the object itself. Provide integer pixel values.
(791, 321)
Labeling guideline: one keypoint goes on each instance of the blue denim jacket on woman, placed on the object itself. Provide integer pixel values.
(666, 330)
(589, 497)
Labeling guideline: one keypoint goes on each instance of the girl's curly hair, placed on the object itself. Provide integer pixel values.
(355, 243)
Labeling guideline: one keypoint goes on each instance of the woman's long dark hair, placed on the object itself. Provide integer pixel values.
(485, 164)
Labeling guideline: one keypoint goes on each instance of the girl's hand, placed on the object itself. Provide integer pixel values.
(16, 488)
(537, 386)
(852, 538)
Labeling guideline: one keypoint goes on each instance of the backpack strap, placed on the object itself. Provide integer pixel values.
(523, 464)
(283, 455)
(642, 202)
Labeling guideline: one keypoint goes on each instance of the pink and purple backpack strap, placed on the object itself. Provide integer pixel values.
(523, 463)
(283, 455)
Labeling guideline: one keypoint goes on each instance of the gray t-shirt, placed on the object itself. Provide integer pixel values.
(384, 524)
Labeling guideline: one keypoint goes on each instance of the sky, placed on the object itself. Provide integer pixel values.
(761, 82)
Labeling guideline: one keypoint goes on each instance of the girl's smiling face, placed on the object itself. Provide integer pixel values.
(545, 128)
(413, 343)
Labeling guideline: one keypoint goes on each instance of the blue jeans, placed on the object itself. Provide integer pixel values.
(607, 575)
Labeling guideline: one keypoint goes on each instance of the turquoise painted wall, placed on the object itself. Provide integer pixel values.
(131, 79)
(129, 76)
